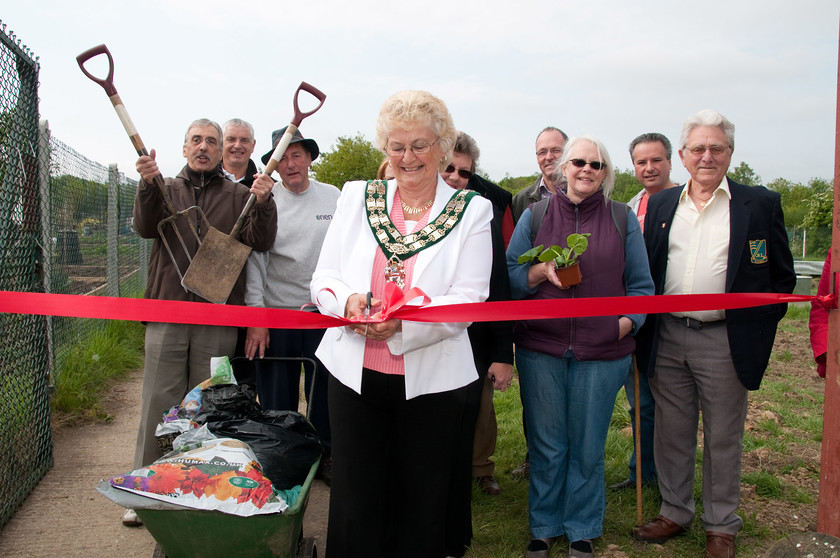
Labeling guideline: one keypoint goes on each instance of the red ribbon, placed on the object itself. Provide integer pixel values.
(395, 306)
(828, 301)
(394, 301)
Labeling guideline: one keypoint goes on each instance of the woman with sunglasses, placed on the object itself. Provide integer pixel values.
(570, 369)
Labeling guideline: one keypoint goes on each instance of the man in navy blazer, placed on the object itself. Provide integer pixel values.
(712, 235)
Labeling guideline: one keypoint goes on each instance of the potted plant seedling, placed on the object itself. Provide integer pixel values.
(565, 259)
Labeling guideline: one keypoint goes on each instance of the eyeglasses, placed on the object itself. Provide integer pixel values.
(700, 150)
(463, 173)
(580, 163)
(397, 150)
(542, 153)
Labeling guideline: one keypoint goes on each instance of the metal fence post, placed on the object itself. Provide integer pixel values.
(46, 231)
(112, 268)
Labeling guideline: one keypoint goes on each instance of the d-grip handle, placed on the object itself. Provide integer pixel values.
(107, 83)
(312, 90)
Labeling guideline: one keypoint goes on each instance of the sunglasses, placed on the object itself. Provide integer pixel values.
(465, 174)
(580, 163)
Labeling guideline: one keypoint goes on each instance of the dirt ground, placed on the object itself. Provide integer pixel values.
(66, 517)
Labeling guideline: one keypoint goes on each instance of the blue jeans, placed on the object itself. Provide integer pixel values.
(568, 404)
(647, 412)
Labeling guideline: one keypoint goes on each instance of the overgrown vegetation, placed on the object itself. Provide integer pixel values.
(108, 354)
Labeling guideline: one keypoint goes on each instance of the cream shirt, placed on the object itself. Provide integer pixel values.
(698, 249)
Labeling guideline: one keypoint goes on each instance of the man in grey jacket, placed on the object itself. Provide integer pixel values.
(550, 144)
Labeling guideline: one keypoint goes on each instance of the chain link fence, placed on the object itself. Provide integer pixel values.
(93, 248)
(25, 438)
(65, 227)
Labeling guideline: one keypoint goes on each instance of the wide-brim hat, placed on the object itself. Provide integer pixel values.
(308, 144)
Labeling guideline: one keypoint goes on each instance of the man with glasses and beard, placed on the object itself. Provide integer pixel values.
(712, 235)
(177, 356)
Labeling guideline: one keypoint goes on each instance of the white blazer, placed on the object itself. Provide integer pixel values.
(456, 270)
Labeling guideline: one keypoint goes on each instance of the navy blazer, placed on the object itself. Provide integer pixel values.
(755, 215)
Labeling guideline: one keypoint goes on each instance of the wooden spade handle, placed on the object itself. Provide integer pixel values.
(283, 144)
(107, 84)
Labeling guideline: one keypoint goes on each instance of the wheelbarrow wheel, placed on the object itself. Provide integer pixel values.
(307, 548)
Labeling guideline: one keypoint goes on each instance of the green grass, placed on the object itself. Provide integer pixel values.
(500, 524)
(107, 354)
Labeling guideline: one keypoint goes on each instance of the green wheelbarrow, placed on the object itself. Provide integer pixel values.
(187, 533)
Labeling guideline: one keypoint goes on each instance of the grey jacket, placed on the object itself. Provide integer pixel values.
(525, 197)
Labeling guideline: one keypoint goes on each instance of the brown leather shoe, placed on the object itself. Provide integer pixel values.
(488, 485)
(720, 545)
(658, 531)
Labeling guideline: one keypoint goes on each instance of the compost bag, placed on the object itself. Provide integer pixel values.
(222, 475)
(284, 442)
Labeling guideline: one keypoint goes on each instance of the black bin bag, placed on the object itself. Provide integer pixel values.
(227, 401)
(285, 443)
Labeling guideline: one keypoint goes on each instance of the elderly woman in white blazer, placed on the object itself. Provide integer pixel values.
(397, 389)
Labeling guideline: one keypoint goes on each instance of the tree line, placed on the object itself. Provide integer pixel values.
(808, 208)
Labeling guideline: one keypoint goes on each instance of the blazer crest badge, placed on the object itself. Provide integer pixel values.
(758, 251)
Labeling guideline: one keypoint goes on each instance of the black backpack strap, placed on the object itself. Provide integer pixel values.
(538, 210)
(619, 213)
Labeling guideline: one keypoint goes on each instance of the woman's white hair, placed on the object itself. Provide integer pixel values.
(604, 157)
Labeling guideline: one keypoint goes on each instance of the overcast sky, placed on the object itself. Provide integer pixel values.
(611, 69)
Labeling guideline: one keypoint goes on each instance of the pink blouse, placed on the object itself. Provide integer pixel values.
(377, 355)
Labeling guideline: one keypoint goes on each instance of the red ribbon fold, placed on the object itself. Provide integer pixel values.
(395, 306)
(394, 300)
(828, 301)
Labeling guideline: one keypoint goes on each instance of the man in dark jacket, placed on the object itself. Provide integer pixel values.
(492, 346)
(178, 355)
(712, 235)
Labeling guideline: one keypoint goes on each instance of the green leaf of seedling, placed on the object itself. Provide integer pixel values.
(530, 254)
(578, 242)
(551, 253)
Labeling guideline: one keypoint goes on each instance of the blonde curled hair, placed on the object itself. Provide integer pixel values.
(409, 108)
